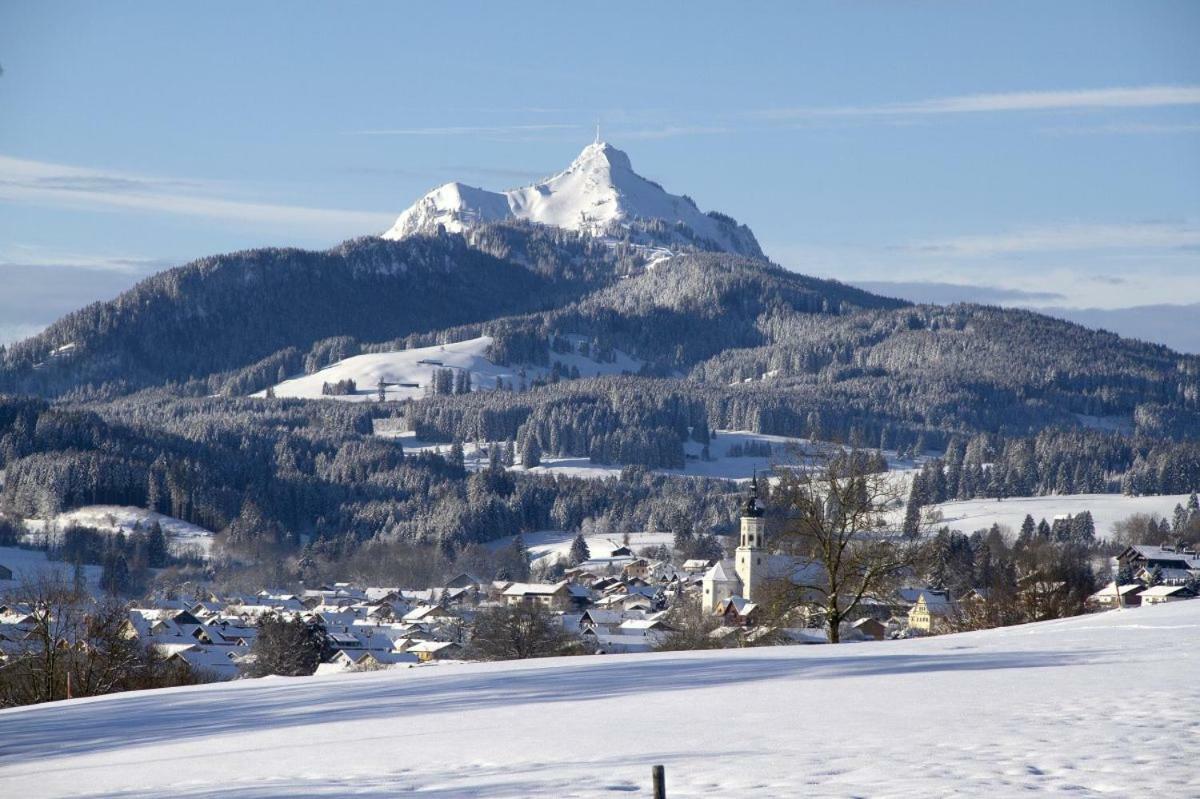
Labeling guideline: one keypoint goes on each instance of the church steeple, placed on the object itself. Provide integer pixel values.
(751, 506)
(749, 561)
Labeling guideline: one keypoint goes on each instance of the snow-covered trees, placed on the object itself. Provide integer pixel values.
(579, 551)
(79, 644)
(526, 630)
(288, 647)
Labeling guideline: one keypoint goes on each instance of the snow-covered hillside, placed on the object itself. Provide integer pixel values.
(30, 564)
(407, 373)
(1106, 509)
(596, 193)
(1093, 706)
(182, 537)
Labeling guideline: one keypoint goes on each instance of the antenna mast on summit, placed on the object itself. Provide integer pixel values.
(597, 141)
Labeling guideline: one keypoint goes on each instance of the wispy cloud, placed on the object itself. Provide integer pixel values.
(464, 130)
(1067, 100)
(1065, 238)
(1125, 129)
(669, 132)
(64, 186)
(34, 257)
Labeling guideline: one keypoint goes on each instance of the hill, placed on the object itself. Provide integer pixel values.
(1094, 705)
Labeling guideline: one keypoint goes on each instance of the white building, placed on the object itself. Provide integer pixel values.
(749, 568)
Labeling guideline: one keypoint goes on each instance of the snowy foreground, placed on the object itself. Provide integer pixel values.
(1095, 706)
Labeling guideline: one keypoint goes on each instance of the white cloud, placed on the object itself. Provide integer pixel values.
(1126, 128)
(1064, 238)
(64, 186)
(1074, 99)
(669, 132)
(462, 130)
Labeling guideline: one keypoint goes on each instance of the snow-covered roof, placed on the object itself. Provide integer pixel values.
(535, 589)
(722, 572)
(1164, 591)
(1107, 592)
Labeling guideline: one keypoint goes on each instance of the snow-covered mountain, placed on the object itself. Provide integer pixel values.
(599, 193)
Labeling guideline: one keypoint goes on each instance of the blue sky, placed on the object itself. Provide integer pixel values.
(1042, 149)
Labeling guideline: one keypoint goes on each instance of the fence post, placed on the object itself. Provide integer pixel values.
(660, 782)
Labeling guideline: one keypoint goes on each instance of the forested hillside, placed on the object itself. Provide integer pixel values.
(145, 396)
(229, 311)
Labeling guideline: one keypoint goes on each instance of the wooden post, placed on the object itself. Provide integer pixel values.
(660, 782)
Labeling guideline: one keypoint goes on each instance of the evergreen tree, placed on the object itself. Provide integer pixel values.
(579, 551)
(115, 577)
(156, 546)
(290, 648)
(531, 455)
(456, 458)
(912, 511)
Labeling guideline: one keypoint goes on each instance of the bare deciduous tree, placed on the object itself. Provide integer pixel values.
(842, 517)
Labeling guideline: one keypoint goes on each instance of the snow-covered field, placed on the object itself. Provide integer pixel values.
(721, 464)
(556, 543)
(29, 564)
(1107, 509)
(407, 373)
(182, 537)
(1094, 706)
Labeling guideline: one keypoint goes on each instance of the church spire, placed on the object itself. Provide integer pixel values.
(751, 507)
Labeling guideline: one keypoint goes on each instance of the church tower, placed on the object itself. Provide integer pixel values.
(750, 561)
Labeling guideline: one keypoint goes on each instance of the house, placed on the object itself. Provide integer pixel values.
(1106, 597)
(426, 613)
(1159, 594)
(870, 628)
(738, 612)
(435, 650)
(1145, 556)
(929, 610)
(602, 620)
(368, 661)
(552, 596)
(639, 567)
(215, 662)
(696, 566)
(465, 580)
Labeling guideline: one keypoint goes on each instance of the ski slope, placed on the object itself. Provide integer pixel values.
(407, 373)
(1107, 509)
(1094, 706)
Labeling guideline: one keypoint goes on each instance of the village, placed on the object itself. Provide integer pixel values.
(610, 600)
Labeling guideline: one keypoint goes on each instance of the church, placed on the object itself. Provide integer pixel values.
(743, 578)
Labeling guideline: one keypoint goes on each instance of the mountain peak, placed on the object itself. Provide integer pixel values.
(598, 194)
(601, 154)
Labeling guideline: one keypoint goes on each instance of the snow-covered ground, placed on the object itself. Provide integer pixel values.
(785, 451)
(1094, 706)
(29, 564)
(1107, 509)
(407, 373)
(182, 537)
(557, 544)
